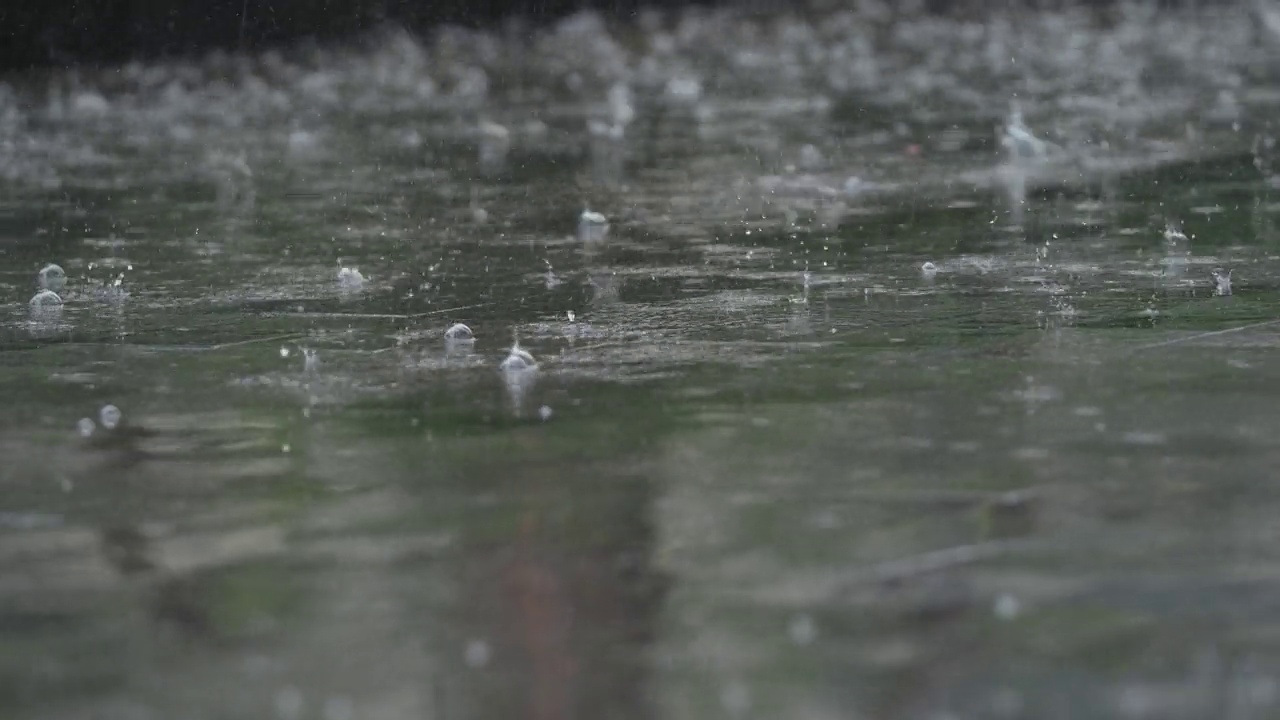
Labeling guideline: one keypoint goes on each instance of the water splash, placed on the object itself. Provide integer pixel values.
(1221, 281)
(592, 227)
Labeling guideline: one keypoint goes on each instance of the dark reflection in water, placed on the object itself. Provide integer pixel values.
(557, 615)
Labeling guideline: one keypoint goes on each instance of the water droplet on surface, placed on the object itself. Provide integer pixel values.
(109, 416)
(86, 427)
(459, 333)
(477, 654)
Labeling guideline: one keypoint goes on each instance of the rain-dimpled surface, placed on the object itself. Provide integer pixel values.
(878, 399)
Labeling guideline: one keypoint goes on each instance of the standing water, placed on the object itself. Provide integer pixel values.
(892, 366)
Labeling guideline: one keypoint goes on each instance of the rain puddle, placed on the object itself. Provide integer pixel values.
(830, 363)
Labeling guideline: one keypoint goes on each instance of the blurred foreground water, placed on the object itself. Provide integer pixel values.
(876, 365)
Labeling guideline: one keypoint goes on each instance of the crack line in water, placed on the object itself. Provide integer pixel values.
(220, 346)
(383, 316)
(1211, 333)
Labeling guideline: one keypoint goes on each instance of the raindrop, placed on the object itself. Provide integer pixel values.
(1007, 607)
(1018, 141)
(109, 416)
(459, 333)
(284, 351)
(592, 226)
(735, 697)
(350, 279)
(338, 708)
(289, 702)
(86, 427)
(572, 317)
(495, 143)
(684, 90)
(52, 277)
(1221, 281)
(544, 413)
(477, 654)
(802, 629)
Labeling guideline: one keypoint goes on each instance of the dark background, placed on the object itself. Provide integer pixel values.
(66, 32)
(44, 33)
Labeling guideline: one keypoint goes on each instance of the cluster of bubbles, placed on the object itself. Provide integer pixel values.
(52, 292)
(109, 418)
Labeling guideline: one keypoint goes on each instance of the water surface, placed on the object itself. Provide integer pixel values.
(766, 466)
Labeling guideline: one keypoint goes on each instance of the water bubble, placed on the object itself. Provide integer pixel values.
(477, 654)
(52, 277)
(311, 360)
(45, 300)
(284, 351)
(592, 226)
(517, 360)
(928, 270)
(109, 416)
(459, 333)
(572, 317)
(86, 427)
(544, 413)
